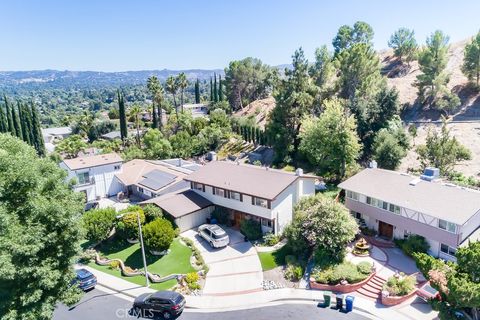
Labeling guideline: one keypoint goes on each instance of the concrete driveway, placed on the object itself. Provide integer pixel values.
(234, 269)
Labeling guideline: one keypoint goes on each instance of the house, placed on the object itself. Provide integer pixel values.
(50, 135)
(197, 109)
(397, 205)
(251, 192)
(187, 208)
(95, 174)
(147, 179)
(111, 135)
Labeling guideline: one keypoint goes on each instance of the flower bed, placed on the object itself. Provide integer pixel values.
(343, 288)
(397, 289)
(394, 300)
(345, 277)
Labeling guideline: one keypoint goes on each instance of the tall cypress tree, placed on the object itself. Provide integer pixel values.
(37, 132)
(220, 89)
(211, 89)
(27, 119)
(197, 91)
(3, 120)
(16, 123)
(154, 116)
(21, 117)
(123, 116)
(215, 90)
(11, 129)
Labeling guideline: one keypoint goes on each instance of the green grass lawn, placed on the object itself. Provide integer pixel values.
(331, 192)
(177, 261)
(271, 260)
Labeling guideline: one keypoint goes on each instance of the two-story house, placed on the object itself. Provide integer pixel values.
(397, 204)
(95, 174)
(251, 192)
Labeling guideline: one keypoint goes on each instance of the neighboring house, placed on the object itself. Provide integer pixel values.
(186, 208)
(111, 135)
(197, 109)
(251, 192)
(95, 175)
(147, 179)
(50, 135)
(397, 205)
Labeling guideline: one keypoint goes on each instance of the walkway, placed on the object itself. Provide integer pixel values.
(234, 269)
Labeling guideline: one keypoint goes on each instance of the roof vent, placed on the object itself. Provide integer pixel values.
(430, 174)
(414, 182)
(299, 172)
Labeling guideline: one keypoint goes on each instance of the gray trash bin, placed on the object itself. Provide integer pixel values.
(339, 301)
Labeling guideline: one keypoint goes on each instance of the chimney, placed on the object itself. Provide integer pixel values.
(373, 164)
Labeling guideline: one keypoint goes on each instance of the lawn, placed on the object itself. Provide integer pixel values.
(177, 261)
(271, 260)
(331, 192)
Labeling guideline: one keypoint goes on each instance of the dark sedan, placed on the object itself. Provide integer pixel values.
(85, 279)
(167, 303)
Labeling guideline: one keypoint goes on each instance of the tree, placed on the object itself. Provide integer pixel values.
(98, 223)
(134, 112)
(113, 113)
(294, 98)
(158, 234)
(8, 113)
(388, 150)
(322, 72)
(172, 88)
(3, 121)
(38, 141)
(156, 146)
(123, 116)
(347, 36)
(330, 142)
(441, 150)
(39, 234)
(182, 84)
(132, 152)
(211, 89)
(321, 224)
(98, 129)
(220, 88)
(153, 85)
(197, 91)
(71, 146)
(16, 123)
(152, 212)
(432, 81)
(248, 80)
(183, 144)
(403, 44)
(471, 60)
(412, 129)
(215, 90)
(128, 224)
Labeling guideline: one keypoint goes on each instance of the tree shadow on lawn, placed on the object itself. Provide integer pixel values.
(280, 254)
(113, 246)
(135, 260)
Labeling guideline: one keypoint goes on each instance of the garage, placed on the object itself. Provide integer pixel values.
(188, 209)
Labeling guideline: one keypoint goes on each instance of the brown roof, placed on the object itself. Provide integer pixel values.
(444, 201)
(92, 161)
(180, 204)
(247, 179)
(134, 171)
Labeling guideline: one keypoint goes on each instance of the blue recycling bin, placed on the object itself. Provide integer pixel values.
(213, 221)
(349, 303)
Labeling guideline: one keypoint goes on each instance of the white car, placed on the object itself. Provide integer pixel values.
(215, 236)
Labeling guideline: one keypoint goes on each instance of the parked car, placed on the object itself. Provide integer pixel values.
(215, 236)
(167, 303)
(85, 279)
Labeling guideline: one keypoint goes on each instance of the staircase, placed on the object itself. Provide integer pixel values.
(373, 288)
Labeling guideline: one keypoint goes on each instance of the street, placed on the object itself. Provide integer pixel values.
(103, 304)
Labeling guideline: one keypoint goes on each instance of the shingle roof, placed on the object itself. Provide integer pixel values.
(246, 179)
(92, 161)
(57, 131)
(180, 204)
(444, 201)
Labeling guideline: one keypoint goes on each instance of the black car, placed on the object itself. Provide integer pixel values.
(85, 279)
(167, 303)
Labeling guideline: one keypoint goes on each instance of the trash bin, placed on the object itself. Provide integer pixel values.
(339, 299)
(213, 221)
(327, 296)
(349, 303)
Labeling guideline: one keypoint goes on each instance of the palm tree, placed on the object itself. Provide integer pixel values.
(172, 87)
(156, 89)
(134, 112)
(182, 83)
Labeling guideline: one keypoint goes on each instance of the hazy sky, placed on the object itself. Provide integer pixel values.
(118, 35)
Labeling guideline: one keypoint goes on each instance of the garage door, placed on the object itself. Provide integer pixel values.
(194, 219)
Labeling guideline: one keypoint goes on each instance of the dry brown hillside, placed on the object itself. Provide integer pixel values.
(258, 109)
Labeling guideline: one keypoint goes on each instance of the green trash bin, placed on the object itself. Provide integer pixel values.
(327, 296)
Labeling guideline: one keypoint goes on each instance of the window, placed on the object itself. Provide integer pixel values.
(369, 200)
(266, 223)
(140, 189)
(445, 225)
(235, 196)
(260, 202)
(219, 192)
(393, 208)
(352, 195)
(116, 167)
(83, 178)
(448, 250)
(198, 186)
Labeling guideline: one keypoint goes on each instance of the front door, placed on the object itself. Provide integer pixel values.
(238, 217)
(385, 230)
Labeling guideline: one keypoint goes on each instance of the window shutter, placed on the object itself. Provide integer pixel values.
(269, 204)
(241, 197)
(203, 187)
(191, 185)
(253, 201)
(213, 189)
(227, 194)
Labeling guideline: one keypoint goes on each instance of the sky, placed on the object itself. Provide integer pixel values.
(122, 35)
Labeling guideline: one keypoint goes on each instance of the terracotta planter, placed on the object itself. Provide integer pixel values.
(394, 300)
(343, 288)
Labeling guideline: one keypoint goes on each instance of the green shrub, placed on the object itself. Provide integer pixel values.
(128, 225)
(251, 229)
(344, 271)
(152, 212)
(323, 258)
(364, 267)
(192, 280)
(293, 272)
(413, 244)
(114, 265)
(290, 259)
(158, 234)
(400, 286)
(221, 215)
(98, 223)
(270, 239)
(368, 232)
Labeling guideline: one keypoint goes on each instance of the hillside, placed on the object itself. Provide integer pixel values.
(258, 109)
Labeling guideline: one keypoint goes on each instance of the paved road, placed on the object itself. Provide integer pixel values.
(105, 305)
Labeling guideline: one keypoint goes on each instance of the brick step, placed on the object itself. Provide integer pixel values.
(377, 277)
(369, 294)
(377, 282)
(374, 285)
(371, 289)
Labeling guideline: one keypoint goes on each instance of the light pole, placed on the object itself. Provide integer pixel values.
(141, 246)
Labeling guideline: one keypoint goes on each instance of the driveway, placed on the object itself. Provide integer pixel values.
(234, 269)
